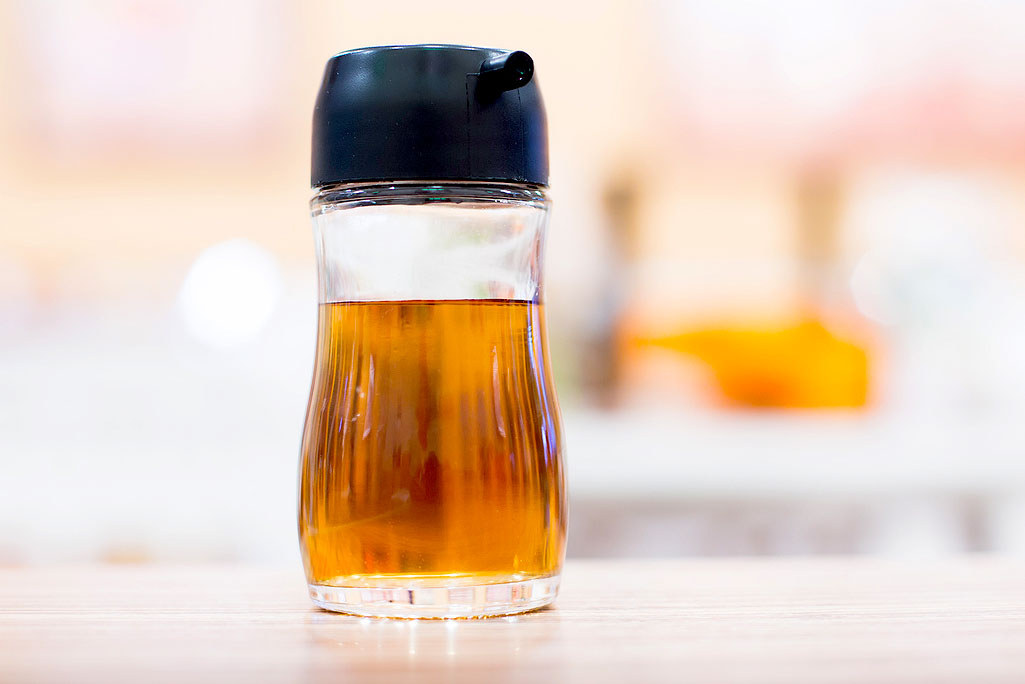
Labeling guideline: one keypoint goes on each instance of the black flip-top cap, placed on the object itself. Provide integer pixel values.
(430, 112)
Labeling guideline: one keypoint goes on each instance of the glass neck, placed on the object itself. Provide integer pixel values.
(420, 192)
(430, 241)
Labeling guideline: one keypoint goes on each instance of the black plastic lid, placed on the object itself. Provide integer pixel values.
(429, 112)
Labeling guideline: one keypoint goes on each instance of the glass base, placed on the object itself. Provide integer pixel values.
(421, 598)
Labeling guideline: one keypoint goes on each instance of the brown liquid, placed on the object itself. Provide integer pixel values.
(432, 445)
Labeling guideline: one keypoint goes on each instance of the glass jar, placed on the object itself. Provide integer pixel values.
(431, 481)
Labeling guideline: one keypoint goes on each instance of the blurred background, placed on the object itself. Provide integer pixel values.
(786, 270)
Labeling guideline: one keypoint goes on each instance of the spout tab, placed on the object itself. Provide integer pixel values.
(506, 71)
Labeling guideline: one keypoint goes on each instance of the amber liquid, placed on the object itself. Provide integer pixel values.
(432, 446)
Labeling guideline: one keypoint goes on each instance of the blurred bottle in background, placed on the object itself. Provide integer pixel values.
(790, 336)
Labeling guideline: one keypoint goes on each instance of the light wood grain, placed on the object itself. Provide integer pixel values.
(814, 620)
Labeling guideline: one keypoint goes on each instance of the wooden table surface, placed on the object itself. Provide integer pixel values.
(745, 620)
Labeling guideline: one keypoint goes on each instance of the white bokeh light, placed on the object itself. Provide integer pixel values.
(230, 293)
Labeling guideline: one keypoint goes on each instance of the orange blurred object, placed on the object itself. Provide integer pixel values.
(799, 366)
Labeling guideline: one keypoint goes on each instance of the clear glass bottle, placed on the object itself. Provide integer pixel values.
(431, 480)
(431, 477)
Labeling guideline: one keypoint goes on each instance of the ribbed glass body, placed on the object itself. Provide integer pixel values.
(431, 480)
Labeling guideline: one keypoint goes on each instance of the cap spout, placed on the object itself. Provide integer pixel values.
(506, 71)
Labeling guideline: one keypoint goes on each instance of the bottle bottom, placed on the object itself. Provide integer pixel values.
(438, 597)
